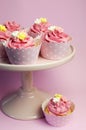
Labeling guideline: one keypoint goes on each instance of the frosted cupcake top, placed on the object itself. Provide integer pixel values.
(55, 34)
(59, 105)
(19, 40)
(4, 33)
(40, 25)
(12, 26)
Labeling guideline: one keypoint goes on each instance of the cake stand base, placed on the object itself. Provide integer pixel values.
(24, 105)
(26, 102)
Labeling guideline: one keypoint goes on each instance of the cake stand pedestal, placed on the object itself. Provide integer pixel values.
(25, 103)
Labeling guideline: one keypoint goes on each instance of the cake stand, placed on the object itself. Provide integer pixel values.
(25, 103)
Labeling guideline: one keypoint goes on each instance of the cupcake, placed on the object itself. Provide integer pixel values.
(4, 36)
(22, 48)
(40, 26)
(58, 110)
(12, 26)
(55, 43)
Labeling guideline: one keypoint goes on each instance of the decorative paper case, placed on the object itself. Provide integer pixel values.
(2, 51)
(54, 51)
(55, 120)
(23, 56)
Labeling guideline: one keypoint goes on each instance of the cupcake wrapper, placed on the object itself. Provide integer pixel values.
(54, 51)
(54, 120)
(2, 51)
(23, 56)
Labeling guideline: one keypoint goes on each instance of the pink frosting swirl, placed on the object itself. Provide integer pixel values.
(38, 28)
(12, 26)
(16, 43)
(4, 35)
(55, 36)
(60, 107)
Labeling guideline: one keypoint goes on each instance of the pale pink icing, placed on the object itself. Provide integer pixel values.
(12, 26)
(55, 36)
(38, 28)
(4, 35)
(59, 108)
(16, 43)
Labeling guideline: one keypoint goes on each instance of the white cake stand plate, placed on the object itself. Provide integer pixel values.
(25, 103)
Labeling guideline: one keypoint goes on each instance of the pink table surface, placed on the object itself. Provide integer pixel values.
(78, 122)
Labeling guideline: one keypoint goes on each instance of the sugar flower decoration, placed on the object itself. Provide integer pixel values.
(52, 28)
(21, 35)
(41, 20)
(2, 28)
(57, 98)
(15, 33)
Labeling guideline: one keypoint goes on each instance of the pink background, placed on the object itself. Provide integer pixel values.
(68, 79)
